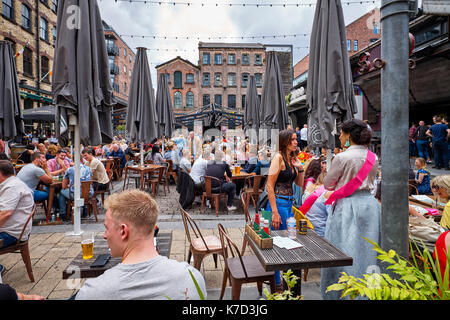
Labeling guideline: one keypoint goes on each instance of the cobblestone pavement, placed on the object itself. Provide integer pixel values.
(52, 248)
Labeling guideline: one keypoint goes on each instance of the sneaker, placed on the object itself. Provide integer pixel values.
(2, 270)
(429, 161)
(232, 208)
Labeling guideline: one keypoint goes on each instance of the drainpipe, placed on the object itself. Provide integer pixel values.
(394, 125)
(38, 49)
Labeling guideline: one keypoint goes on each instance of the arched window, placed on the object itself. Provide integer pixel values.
(190, 99)
(45, 68)
(178, 100)
(177, 79)
(27, 62)
(44, 29)
(26, 17)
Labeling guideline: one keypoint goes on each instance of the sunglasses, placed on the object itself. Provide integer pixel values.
(435, 187)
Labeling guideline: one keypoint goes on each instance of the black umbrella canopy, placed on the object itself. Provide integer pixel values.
(81, 81)
(274, 113)
(164, 108)
(45, 113)
(329, 94)
(251, 106)
(11, 121)
(142, 119)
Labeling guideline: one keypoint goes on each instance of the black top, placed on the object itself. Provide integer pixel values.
(218, 170)
(420, 133)
(285, 179)
(25, 157)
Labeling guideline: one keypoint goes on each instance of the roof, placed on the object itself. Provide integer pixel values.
(231, 45)
(177, 58)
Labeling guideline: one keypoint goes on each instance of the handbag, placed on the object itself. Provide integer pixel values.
(262, 201)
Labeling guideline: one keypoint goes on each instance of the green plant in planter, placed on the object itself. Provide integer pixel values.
(291, 280)
(413, 284)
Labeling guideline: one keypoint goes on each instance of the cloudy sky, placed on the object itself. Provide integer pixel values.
(197, 21)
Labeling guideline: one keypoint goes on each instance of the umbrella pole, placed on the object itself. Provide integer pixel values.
(142, 154)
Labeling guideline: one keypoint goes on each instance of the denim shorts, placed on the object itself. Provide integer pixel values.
(8, 240)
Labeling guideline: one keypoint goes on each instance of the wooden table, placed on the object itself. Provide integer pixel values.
(80, 268)
(427, 204)
(51, 196)
(316, 252)
(1, 243)
(241, 175)
(148, 168)
(436, 218)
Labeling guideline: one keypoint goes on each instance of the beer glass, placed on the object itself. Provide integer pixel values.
(237, 170)
(87, 245)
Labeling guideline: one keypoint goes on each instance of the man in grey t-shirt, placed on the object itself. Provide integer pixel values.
(143, 274)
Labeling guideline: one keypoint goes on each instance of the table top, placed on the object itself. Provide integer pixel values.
(145, 167)
(428, 203)
(80, 268)
(241, 175)
(316, 252)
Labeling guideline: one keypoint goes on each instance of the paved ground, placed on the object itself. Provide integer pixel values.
(52, 249)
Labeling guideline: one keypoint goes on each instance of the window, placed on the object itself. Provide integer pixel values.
(28, 62)
(206, 81)
(231, 58)
(258, 60)
(125, 69)
(232, 101)
(8, 9)
(258, 79)
(355, 45)
(44, 29)
(28, 104)
(373, 40)
(168, 77)
(206, 100)
(245, 59)
(45, 70)
(55, 5)
(44, 2)
(125, 52)
(26, 17)
(125, 87)
(177, 100)
(189, 78)
(349, 44)
(177, 79)
(218, 58)
(218, 99)
(206, 58)
(190, 99)
(232, 79)
(244, 82)
(131, 58)
(217, 79)
(243, 101)
(54, 36)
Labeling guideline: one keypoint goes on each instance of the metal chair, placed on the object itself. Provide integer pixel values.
(213, 197)
(90, 202)
(254, 188)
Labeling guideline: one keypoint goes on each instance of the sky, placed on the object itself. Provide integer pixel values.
(197, 21)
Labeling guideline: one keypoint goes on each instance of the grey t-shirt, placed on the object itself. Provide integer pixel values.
(30, 175)
(159, 278)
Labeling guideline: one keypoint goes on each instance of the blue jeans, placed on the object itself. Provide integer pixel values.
(8, 240)
(412, 149)
(440, 154)
(63, 196)
(422, 147)
(40, 195)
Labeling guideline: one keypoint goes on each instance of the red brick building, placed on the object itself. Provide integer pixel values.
(183, 77)
(360, 34)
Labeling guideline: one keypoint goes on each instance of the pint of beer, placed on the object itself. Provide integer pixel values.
(87, 245)
(237, 170)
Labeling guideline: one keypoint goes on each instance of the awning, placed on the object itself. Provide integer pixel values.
(46, 113)
(36, 97)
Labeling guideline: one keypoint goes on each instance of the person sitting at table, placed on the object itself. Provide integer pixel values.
(227, 154)
(118, 153)
(442, 247)
(16, 205)
(58, 165)
(172, 154)
(99, 175)
(312, 171)
(422, 177)
(143, 274)
(155, 156)
(199, 169)
(221, 170)
(185, 162)
(51, 152)
(35, 172)
(26, 155)
(252, 161)
(68, 181)
(263, 164)
(441, 188)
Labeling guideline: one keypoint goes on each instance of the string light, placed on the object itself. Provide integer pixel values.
(193, 50)
(257, 5)
(215, 37)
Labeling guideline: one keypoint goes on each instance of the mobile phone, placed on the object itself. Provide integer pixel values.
(101, 260)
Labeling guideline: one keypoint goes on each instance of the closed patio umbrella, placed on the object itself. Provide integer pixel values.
(142, 119)
(251, 115)
(274, 113)
(164, 108)
(82, 90)
(329, 93)
(11, 120)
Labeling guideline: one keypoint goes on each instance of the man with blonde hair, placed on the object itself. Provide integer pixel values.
(143, 274)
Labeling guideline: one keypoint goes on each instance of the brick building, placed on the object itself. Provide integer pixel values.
(360, 33)
(121, 61)
(31, 27)
(183, 78)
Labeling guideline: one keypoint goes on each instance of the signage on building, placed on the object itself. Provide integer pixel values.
(439, 7)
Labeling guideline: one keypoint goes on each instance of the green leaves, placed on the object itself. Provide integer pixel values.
(291, 280)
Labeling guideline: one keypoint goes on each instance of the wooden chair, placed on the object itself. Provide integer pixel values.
(90, 202)
(254, 189)
(213, 197)
(44, 203)
(412, 187)
(117, 170)
(241, 269)
(22, 247)
(154, 182)
(108, 190)
(200, 246)
(171, 172)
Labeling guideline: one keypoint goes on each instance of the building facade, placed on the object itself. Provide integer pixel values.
(121, 62)
(30, 26)
(183, 78)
